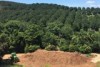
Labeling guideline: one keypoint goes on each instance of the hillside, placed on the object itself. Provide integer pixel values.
(28, 27)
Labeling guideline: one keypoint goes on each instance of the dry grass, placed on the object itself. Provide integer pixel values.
(98, 64)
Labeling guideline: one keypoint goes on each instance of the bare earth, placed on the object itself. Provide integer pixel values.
(43, 58)
(8, 55)
(96, 58)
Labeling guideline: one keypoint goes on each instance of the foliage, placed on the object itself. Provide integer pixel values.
(85, 49)
(31, 48)
(64, 47)
(28, 27)
(73, 48)
(51, 47)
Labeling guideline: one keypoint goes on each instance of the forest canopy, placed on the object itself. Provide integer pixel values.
(28, 27)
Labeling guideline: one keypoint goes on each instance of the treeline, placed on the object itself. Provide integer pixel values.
(27, 27)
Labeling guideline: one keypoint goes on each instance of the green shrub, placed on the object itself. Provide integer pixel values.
(26, 49)
(51, 47)
(85, 49)
(64, 47)
(73, 48)
(31, 48)
(11, 49)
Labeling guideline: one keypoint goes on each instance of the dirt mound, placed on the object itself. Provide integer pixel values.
(43, 58)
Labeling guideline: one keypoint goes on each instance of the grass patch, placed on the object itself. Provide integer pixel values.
(46, 65)
(98, 64)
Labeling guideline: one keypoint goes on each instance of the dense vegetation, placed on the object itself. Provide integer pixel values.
(27, 27)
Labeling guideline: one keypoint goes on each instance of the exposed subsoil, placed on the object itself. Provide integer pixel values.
(43, 58)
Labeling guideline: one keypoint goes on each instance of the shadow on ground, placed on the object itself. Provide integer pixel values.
(8, 63)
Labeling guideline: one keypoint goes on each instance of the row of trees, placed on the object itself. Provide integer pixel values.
(17, 36)
(48, 26)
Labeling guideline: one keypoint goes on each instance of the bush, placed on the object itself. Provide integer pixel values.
(31, 48)
(85, 49)
(73, 48)
(64, 47)
(11, 49)
(51, 47)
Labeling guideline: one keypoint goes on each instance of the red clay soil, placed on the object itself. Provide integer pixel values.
(43, 58)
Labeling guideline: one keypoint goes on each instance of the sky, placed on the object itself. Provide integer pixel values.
(71, 3)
